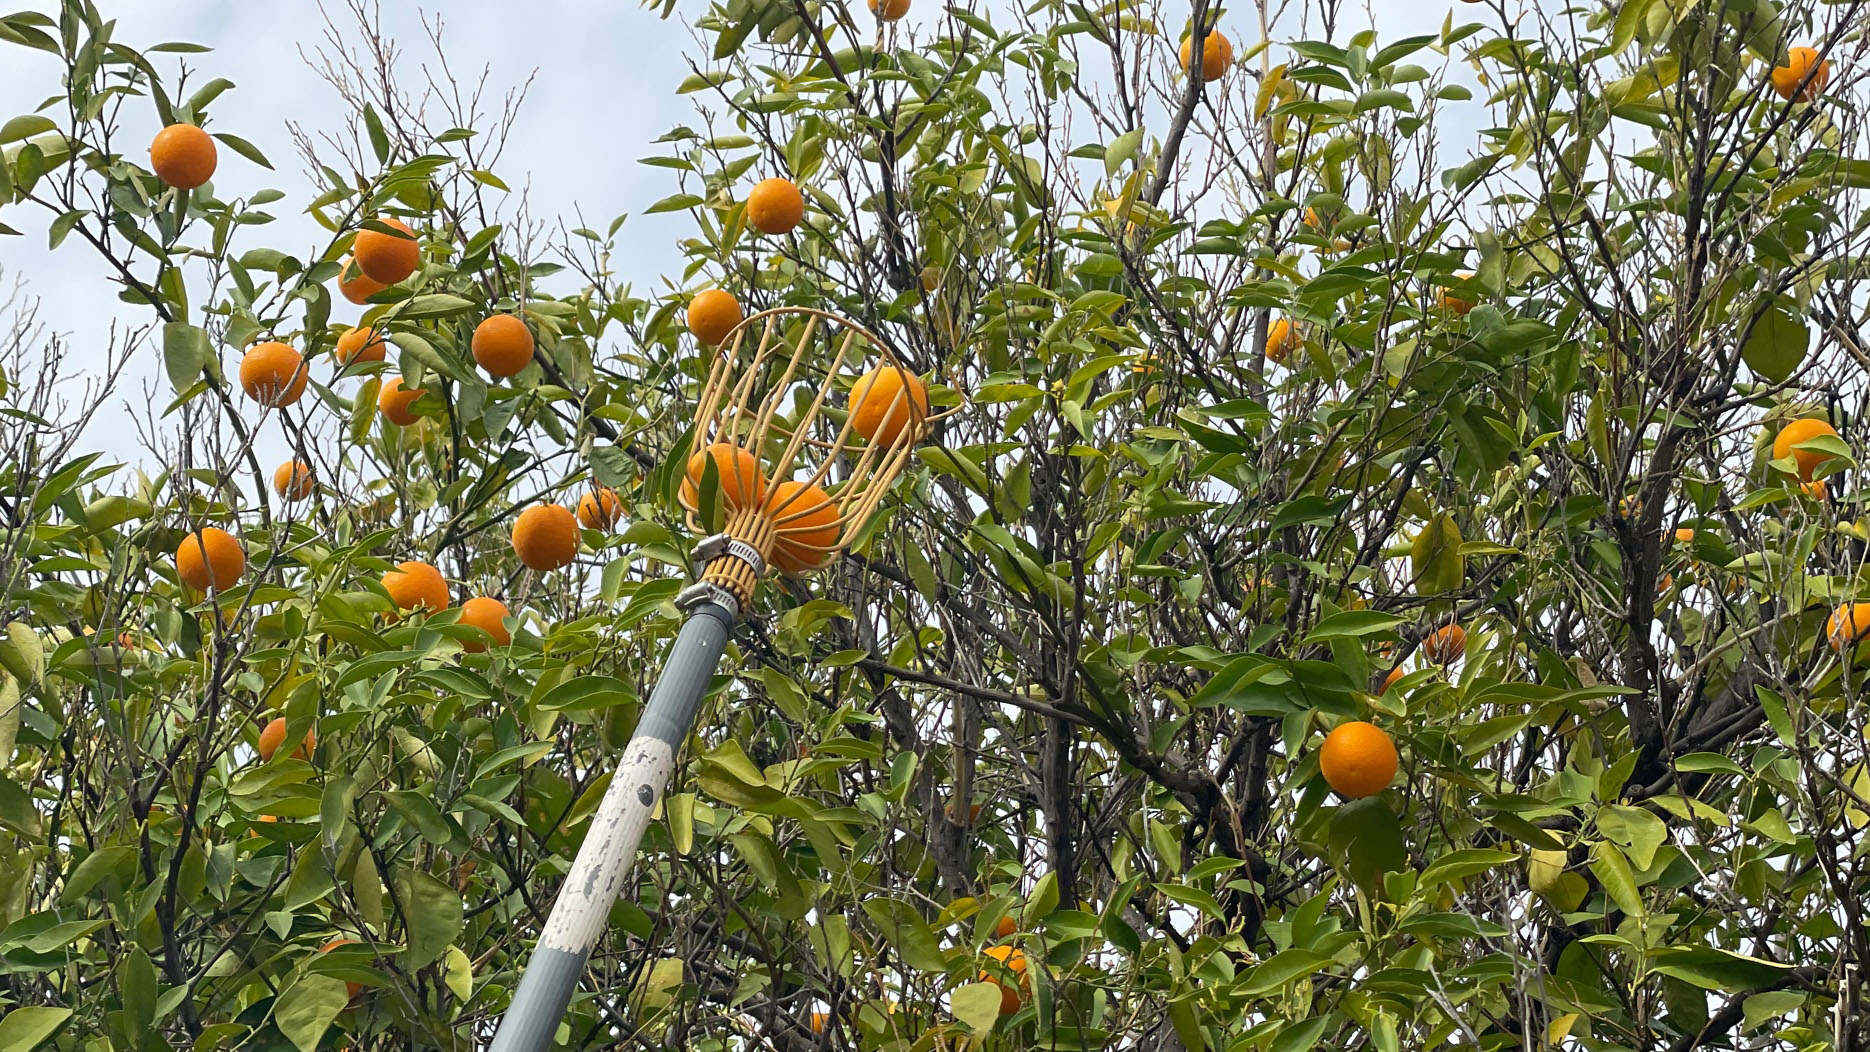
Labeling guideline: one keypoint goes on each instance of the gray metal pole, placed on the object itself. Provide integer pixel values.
(583, 907)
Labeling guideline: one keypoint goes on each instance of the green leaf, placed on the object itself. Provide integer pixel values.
(1464, 863)
(1435, 557)
(308, 1008)
(1638, 831)
(1714, 969)
(905, 930)
(432, 911)
(976, 1005)
(1281, 968)
(1613, 872)
(185, 352)
(1777, 345)
(1352, 624)
(458, 973)
(96, 866)
(24, 1029)
(244, 149)
(25, 127)
(16, 809)
(437, 305)
(1366, 836)
(1121, 150)
(1761, 1007)
(1300, 1036)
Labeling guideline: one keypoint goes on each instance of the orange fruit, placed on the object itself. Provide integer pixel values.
(488, 615)
(502, 345)
(1847, 624)
(1445, 645)
(356, 285)
(293, 480)
(182, 156)
(414, 583)
(890, 11)
(1788, 78)
(1311, 218)
(1004, 927)
(1357, 760)
(361, 345)
(273, 374)
(600, 509)
(388, 258)
(1684, 535)
(712, 315)
(1803, 430)
(351, 989)
(1217, 53)
(818, 1021)
(274, 735)
(1012, 995)
(210, 557)
(1390, 680)
(545, 536)
(886, 400)
(1454, 303)
(394, 401)
(741, 482)
(806, 523)
(775, 206)
(1282, 338)
(1815, 489)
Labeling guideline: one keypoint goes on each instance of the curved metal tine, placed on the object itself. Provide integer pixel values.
(770, 402)
(836, 365)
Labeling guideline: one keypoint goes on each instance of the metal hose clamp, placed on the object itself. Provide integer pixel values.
(713, 547)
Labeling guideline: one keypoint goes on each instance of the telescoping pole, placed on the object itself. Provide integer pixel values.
(583, 907)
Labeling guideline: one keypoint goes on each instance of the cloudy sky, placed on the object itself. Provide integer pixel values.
(603, 78)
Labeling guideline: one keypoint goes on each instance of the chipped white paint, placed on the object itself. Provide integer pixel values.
(582, 911)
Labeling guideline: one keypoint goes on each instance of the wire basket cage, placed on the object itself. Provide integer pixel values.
(802, 425)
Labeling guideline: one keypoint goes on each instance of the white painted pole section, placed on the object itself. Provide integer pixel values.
(583, 908)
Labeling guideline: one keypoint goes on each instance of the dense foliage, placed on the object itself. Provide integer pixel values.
(1078, 673)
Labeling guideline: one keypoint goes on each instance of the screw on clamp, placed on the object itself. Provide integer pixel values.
(716, 545)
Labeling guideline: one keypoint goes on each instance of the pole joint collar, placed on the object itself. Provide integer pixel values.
(707, 592)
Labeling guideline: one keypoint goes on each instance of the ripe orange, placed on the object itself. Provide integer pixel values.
(775, 206)
(1445, 645)
(361, 345)
(1847, 624)
(1005, 927)
(890, 11)
(1217, 53)
(1282, 338)
(600, 509)
(1799, 63)
(1357, 760)
(1815, 489)
(210, 557)
(293, 480)
(502, 345)
(545, 536)
(274, 735)
(414, 583)
(1803, 430)
(488, 615)
(1684, 535)
(351, 989)
(712, 315)
(1454, 303)
(806, 523)
(388, 258)
(886, 400)
(356, 285)
(741, 482)
(273, 374)
(818, 1021)
(182, 156)
(1390, 680)
(394, 401)
(1012, 995)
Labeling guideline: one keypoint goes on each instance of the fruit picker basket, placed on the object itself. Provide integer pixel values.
(804, 421)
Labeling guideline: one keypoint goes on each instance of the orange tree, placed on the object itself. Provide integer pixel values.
(1368, 595)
